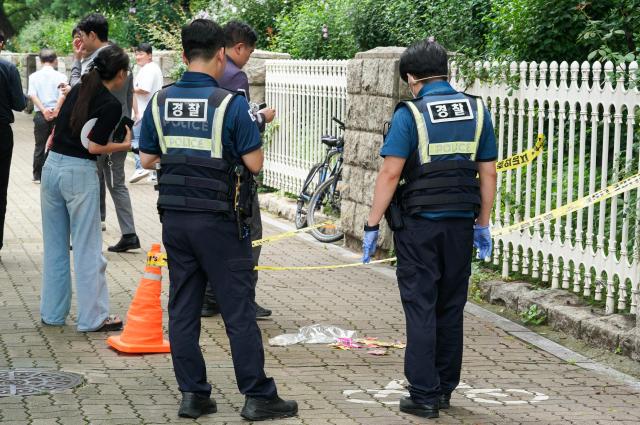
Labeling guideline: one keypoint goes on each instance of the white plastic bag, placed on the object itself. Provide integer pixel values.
(314, 334)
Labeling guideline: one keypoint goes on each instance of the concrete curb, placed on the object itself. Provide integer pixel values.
(282, 207)
(566, 312)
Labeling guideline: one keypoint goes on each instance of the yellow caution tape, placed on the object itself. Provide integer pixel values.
(633, 182)
(285, 235)
(157, 259)
(523, 158)
(601, 195)
(160, 260)
(327, 267)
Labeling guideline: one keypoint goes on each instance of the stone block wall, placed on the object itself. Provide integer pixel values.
(374, 88)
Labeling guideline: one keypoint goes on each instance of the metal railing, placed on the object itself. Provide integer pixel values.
(306, 95)
(589, 114)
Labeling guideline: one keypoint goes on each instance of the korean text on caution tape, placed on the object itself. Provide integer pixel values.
(523, 158)
(601, 195)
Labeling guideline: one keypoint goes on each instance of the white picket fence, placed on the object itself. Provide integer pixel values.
(589, 115)
(306, 95)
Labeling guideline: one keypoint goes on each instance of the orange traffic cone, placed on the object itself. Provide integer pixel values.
(143, 330)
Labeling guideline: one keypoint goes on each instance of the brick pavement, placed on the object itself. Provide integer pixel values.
(331, 386)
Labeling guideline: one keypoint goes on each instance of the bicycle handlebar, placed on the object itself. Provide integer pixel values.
(340, 123)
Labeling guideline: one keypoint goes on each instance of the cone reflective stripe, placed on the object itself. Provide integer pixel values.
(143, 329)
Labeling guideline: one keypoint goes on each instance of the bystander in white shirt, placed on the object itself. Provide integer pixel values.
(44, 85)
(149, 79)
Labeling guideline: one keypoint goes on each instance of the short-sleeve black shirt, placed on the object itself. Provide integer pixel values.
(104, 106)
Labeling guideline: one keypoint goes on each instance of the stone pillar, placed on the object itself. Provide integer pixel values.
(256, 72)
(374, 88)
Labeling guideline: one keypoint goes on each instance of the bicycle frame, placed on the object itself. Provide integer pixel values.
(324, 172)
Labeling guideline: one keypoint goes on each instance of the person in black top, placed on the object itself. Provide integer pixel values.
(11, 98)
(70, 196)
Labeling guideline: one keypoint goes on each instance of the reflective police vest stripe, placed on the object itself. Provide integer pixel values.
(195, 174)
(427, 150)
(213, 144)
(441, 175)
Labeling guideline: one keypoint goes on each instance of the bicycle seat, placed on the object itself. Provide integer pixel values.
(331, 141)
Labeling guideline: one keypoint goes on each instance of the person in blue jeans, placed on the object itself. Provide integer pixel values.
(70, 196)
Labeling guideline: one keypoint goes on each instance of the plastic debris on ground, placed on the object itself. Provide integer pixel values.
(313, 334)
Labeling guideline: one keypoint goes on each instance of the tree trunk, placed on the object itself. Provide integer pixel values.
(5, 24)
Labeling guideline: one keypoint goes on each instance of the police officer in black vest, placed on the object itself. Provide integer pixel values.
(206, 146)
(437, 186)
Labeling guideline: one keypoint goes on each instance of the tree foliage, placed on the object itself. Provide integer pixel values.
(479, 29)
(318, 29)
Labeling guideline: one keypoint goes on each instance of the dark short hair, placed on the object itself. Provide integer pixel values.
(144, 47)
(47, 56)
(75, 31)
(423, 59)
(1, 36)
(96, 23)
(201, 39)
(238, 32)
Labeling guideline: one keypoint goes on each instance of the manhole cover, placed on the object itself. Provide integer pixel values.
(35, 381)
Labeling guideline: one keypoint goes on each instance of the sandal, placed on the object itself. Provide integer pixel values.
(112, 323)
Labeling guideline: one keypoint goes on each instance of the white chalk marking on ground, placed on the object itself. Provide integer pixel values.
(479, 395)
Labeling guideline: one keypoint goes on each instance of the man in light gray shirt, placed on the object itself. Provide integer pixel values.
(93, 33)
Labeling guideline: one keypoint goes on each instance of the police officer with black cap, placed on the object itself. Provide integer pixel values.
(436, 186)
(206, 146)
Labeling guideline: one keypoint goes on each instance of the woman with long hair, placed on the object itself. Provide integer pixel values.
(70, 196)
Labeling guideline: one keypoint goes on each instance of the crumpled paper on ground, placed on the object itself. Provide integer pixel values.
(376, 347)
(313, 334)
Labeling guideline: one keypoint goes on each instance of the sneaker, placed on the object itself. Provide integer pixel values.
(256, 409)
(35, 181)
(262, 312)
(103, 226)
(138, 175)
(126, 243)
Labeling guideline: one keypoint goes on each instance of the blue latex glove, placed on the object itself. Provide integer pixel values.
(369, 244)
(482, 241)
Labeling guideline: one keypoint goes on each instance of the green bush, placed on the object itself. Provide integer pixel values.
(46, 32)
(300, 33)
(262, 15)
(456, 25)
(535, 30)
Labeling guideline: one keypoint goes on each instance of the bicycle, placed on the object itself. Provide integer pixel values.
(322, 181)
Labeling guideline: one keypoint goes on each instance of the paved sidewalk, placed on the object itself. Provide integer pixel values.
(506, 380)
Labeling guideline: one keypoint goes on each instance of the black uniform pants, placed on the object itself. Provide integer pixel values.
(201, 247)
(6, 151)
(41, 131)
(434, 266)
(255, 228)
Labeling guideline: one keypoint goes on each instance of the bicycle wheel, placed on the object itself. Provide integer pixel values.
(305, 196)
(325, 205)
